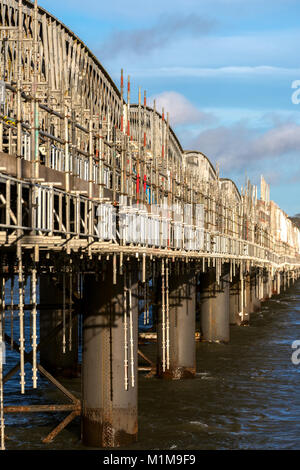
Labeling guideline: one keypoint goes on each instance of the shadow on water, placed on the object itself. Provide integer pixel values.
(245, 394)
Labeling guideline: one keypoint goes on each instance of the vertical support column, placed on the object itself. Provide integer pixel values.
(284, 280)
(273, 287)
(270, 283)
(21, 320)
(248, 301)
(35, 128)
(178, 361)
(266, 290)
(278, 282)
(234, 294)
(256, 304)
(33, 320)
(109, 367)
(259, 283)
(245, 307)
(2, 332)
(214, 314)
(19, 92)
(52, 357)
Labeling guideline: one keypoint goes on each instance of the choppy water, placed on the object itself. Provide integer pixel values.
(245, 395)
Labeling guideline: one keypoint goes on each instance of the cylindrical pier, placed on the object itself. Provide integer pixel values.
(109, 375)
(176, 348)
(214, 307)
(255, 302)
(234, 302)
(266, 287)
(249, 307)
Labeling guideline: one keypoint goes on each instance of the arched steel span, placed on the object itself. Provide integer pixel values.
(200, 161)
(75, 38)
(232, 187)
(154, 124)
(68, 66)
(65, 62)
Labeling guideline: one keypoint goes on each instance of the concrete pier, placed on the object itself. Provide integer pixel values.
(176, 349)
(52, 356)
(249, 308)
(251, 302)
(266, 287)
(256, 304)
(215, 307)
(278, 283)
(110, 372)
(234, 302)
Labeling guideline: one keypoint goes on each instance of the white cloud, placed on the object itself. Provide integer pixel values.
(230, 71)
(181, 110)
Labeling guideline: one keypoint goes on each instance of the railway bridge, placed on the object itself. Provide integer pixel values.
(107, 224)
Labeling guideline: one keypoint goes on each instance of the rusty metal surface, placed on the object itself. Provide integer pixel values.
(60, 427)
(140, 353)
(42, 408)
(55, 382)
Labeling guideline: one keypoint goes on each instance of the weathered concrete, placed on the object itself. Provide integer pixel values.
(266, 287)
(278, 283)
(256, 304)
(249, 308)
(215, 308)
(109, 403)
(234, 302)
(52, 357)
(284, 281)
(182, 315)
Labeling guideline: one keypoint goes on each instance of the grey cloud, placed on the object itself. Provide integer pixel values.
(166, 30)
(278, 141)
(239, 147)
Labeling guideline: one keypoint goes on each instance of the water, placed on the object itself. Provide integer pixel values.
(245, 394)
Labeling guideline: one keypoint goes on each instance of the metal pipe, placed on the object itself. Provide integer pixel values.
(167, 317)
(64, 313)
(21, 321)
(131, 332)
(2, 424)
(126, 382)
(70, 310)
(163, 309)
(34, 328)
(12, 282)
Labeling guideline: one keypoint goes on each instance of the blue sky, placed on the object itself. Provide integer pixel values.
(222, 68)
